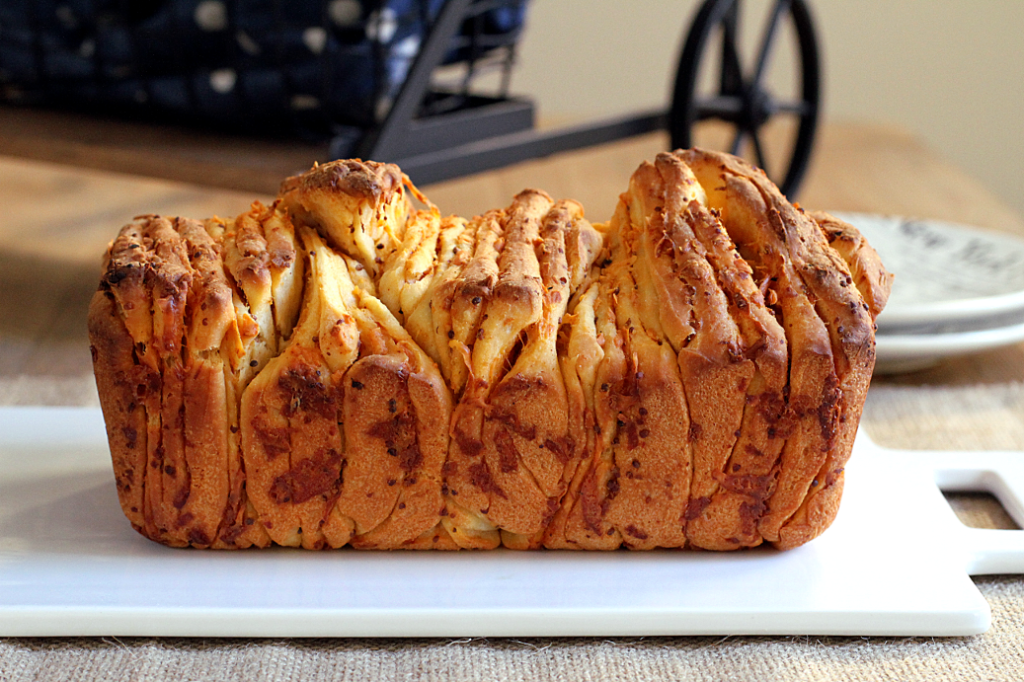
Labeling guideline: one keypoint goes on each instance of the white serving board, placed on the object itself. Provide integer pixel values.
(895, 562)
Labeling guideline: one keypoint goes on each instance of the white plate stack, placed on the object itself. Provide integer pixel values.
(958, 290)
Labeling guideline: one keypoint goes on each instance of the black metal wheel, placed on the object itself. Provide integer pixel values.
(740, 96)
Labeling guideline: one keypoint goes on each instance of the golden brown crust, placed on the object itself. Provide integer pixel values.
(359, 207)
(120, 381)
(871, 278)
(363, 180)
(510, 426)
(830, 331)
(162, 312)
(714, 367)
(344, 433)
(339, 368)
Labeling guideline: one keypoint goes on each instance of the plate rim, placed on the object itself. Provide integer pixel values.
(900, 346)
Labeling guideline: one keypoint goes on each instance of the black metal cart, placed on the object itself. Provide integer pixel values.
(392, 80)
(493, 132)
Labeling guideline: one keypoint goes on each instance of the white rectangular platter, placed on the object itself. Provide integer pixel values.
(895, 562)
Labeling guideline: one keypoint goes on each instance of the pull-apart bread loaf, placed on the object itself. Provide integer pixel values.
(346, 366)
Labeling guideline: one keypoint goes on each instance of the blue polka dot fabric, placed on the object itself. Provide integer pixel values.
(267, 66)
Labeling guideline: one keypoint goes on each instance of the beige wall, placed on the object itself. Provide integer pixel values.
(950, 70)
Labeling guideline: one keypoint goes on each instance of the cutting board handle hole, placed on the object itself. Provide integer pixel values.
(983, 497)
(980, 509)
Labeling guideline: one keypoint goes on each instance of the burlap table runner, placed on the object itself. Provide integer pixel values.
(976, 417)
